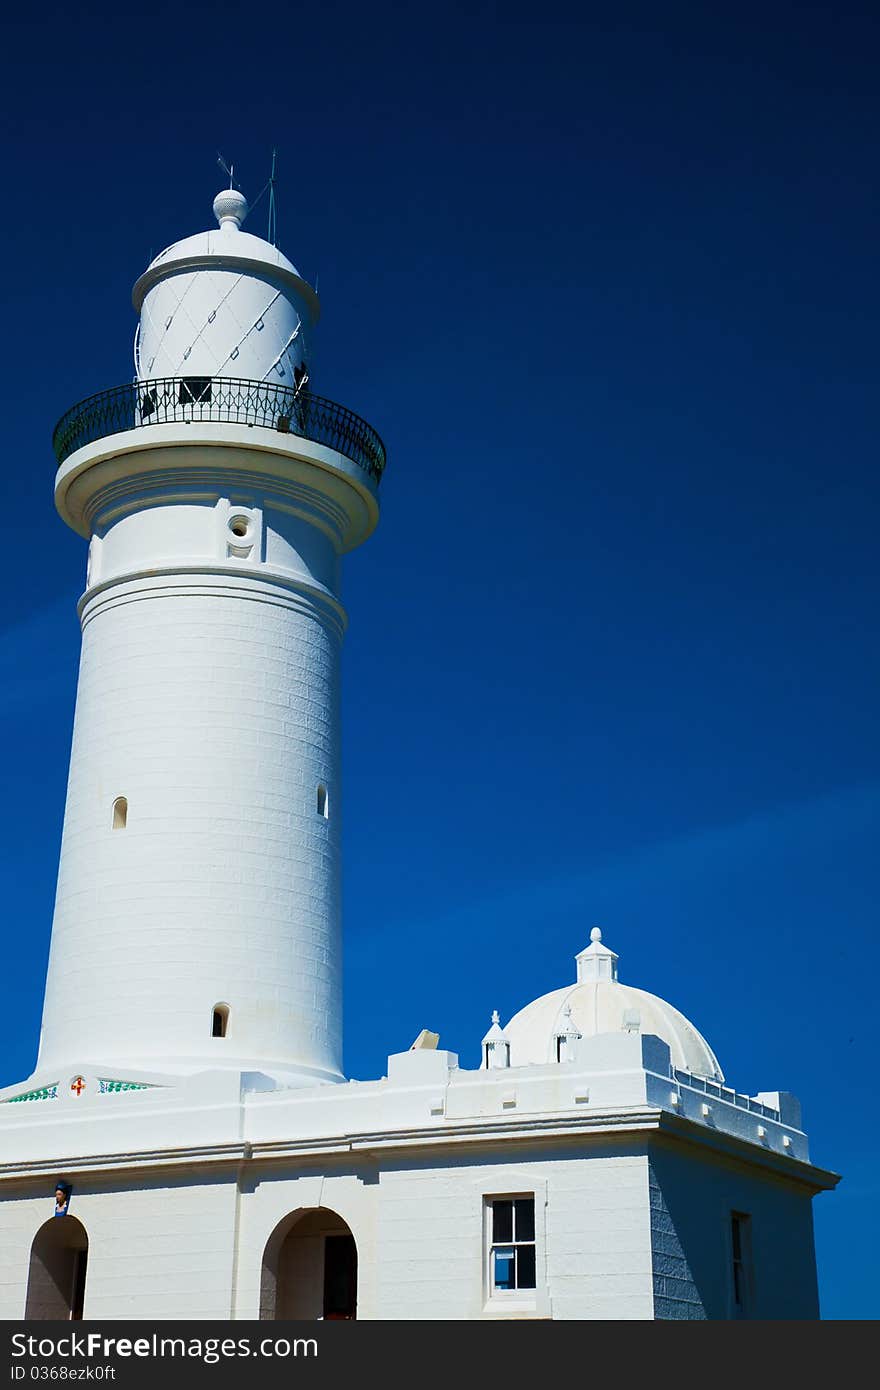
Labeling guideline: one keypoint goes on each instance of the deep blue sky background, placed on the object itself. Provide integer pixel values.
(605, 279)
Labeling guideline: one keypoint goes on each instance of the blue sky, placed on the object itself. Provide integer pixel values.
(604, 278)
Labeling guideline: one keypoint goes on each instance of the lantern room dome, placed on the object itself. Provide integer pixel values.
(224, 303)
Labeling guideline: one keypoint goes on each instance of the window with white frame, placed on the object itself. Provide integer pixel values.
(511, 1244)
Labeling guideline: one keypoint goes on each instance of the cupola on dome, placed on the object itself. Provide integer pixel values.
(598, 1003)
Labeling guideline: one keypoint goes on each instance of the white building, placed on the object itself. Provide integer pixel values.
(189, 1081)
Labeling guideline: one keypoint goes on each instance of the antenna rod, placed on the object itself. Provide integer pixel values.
(228, 168)
(272, 229)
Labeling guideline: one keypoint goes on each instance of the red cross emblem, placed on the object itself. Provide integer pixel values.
(78, 1085)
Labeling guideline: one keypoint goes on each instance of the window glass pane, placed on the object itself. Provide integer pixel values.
(503, 1269)
(525, 1219)
(502, 1221)
(525, 1266)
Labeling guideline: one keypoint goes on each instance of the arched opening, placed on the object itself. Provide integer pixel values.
(323, 802)
(57, 1276)
(120, 813)
(309, 1269)
(220, 1021)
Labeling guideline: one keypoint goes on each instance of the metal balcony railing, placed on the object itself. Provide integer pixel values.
(169, 400)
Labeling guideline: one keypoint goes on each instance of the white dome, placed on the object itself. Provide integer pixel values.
(599, 1003)
(222, 243)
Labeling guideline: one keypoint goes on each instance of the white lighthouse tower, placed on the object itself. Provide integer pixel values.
(197, 920)
(595, 1163)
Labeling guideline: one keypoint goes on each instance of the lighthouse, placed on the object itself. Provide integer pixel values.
(198, 912)
(187, 1146)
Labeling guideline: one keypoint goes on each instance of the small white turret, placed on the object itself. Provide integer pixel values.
(566, 1036)
(596, 962)
(496, 1047)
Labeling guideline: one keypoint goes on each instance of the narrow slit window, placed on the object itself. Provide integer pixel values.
(323, 802)
(220, 1021)
(741, 1271)
(120, 813)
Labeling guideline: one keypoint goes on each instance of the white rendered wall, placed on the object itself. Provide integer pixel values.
(167, 1248)
(208, 697)
(157, 1250)
(691, 1204)
(627, 1225)
(592, 1237)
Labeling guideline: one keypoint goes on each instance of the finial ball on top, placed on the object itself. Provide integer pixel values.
(596, 934)
(230, 206)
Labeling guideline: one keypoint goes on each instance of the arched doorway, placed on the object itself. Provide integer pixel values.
(309, 1268)
(57, 1276)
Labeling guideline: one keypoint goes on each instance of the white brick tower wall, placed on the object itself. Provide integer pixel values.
(207, 720)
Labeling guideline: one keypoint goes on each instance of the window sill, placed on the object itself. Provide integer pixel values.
(511, 1308)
